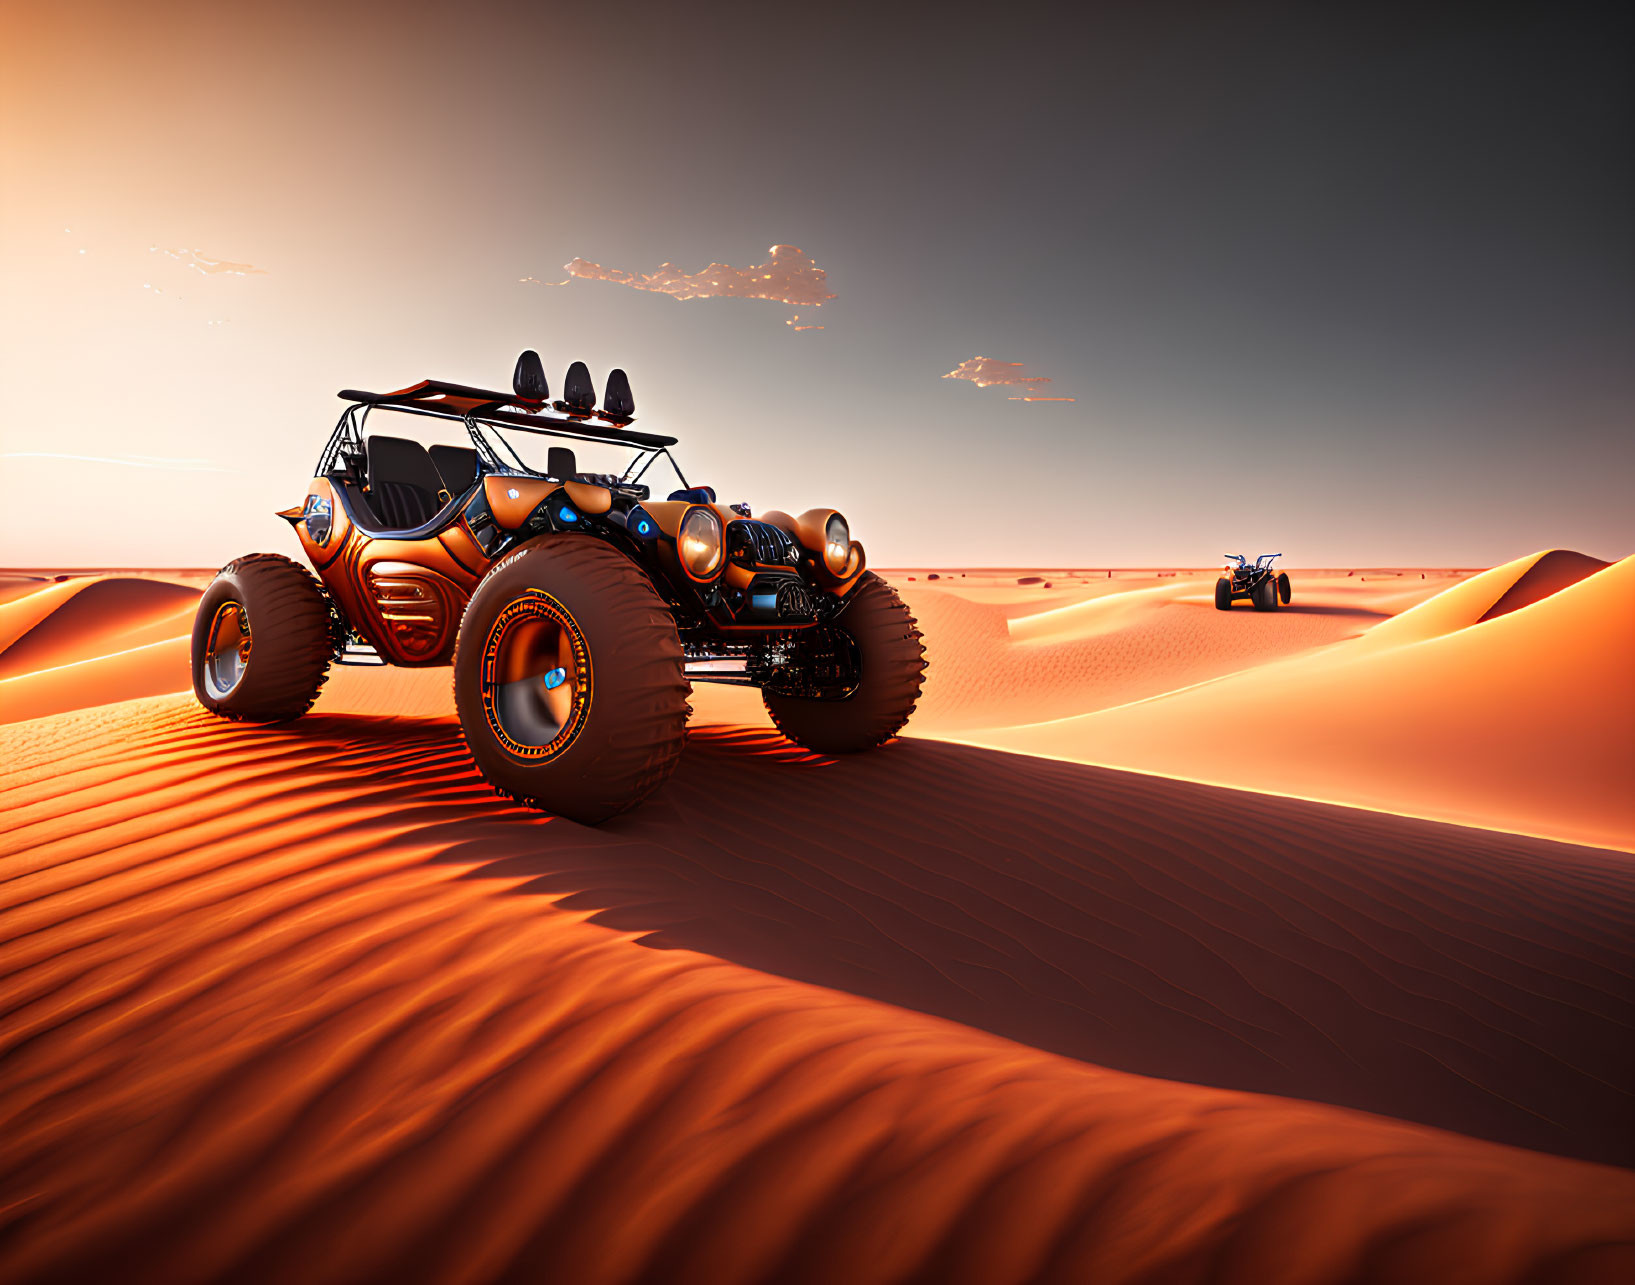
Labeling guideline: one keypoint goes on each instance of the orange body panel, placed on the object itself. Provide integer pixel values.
(404, 596)
(588, 497)
(510, 512)
(465, 551)
(419, 609)
(666, 514)
(809, 530)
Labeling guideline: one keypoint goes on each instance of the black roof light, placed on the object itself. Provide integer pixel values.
(617, 402)
(528, 380)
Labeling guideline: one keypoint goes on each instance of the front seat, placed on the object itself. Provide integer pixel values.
(402, 482)
(457, 466)
(561, 464)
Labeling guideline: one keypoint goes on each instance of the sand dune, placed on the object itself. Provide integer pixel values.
(311, 1003)
(84, 618)
(987, 670)
(1520, 721)
(90, 641)
(1551, 573)
(14, 585)
(1496, 592)
(151, 669)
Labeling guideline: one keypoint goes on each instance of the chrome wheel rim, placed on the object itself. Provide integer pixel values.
(536, 677)
(226, 649)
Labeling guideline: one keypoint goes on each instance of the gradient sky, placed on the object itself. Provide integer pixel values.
(1358, 286)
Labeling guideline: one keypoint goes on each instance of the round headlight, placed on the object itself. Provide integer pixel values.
(837, 544)
(698, 543)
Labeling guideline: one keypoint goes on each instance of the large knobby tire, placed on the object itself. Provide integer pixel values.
(1223, 594)
(891, 665)
(569, 681)
(263, 639)
(1283, 589)
(1264, 595)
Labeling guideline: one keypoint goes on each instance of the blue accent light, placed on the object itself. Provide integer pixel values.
(763, 601)
(555, 679)
(565, 514)
(640, 524)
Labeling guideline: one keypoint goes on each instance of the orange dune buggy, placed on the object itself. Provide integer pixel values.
(574, 608)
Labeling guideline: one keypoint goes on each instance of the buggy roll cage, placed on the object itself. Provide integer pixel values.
(1264, 560)
(482, 412)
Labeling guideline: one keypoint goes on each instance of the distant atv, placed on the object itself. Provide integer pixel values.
(573, 608)
(1254, 582)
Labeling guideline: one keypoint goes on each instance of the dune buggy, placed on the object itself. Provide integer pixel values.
(1253, 581)
(574, 608)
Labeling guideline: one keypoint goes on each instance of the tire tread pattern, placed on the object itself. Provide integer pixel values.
(647, 748)
(893, 650)
(291, 640)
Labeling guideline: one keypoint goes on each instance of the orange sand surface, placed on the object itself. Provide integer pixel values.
(1522, 720)
(89, 641)
(310, 1002)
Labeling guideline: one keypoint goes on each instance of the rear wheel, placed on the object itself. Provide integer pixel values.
(568, 680)
(263, 640)
(890, 670)
(1223, 594)
(1264, 595)
(1283, 590)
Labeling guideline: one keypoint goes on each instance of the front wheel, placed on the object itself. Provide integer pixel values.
(1223, 594)
(890, 671)
(1283, 590)
(1264, 595)
(568, 680)
(263, 639)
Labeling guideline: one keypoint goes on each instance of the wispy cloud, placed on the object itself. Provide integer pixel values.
(985, 372)
(789, 276)
(127, 461)
(206, 266)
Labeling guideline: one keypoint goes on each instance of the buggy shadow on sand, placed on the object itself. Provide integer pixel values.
(574, 608)
(1253, 581)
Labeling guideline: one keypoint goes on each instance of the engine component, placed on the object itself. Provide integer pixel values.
(820, 663)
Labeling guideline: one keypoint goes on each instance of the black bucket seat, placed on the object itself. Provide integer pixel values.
(402, 483)
(457, 466)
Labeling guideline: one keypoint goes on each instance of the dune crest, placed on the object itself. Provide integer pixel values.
(1552, 573)
(1493, 593)
(91, 641)
(1519, 722)
(83, 618)
(990, 667)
